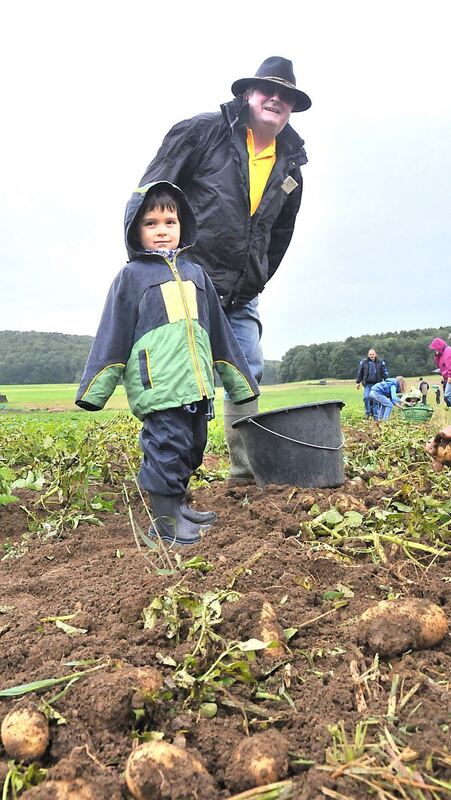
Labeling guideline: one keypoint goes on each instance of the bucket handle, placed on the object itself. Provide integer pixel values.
(296, 441)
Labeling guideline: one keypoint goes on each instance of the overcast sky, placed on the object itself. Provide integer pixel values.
(90, 88)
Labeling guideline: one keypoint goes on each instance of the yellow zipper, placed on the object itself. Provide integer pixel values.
(189, 325)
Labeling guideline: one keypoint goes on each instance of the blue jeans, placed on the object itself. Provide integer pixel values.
(367, 400)
(246, 325)
(384, 405)
(447, 394)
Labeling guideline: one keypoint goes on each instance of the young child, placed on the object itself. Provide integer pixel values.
(385, 393)
(162, 332)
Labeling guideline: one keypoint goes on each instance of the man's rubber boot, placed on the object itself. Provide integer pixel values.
(201, 517)
(170, 524)
(240, 468)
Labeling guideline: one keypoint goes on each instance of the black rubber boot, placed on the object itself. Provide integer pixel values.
(201, 517)
(170, 524)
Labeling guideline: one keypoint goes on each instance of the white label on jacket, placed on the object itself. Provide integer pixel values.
(289, 184)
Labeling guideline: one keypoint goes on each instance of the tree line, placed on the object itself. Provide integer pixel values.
(33, 357)
(405, 353)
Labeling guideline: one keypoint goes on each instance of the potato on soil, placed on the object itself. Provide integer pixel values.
(77, 789)
(147, 679)
(268, 629)
(252, 617)
(306, 501)
(106, 699)
(261, 759)
(162, 771)
(347, 502)
(25, 733)
(393, 626)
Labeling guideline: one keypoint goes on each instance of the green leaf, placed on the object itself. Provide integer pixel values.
(344, 590)
(208, 710)
(34, 686)
(353, 519)
(400, 506)
(71, 630)
(252, 645)
(330, 518)
(5, 499)
(333, 595)
(167, 660)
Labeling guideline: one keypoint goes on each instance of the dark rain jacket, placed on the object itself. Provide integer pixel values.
(207, 157)
(163, 331)
(364, 368)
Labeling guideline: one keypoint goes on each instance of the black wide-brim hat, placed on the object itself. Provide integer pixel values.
(278, 71)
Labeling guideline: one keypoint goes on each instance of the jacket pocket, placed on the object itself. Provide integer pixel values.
(145, 370)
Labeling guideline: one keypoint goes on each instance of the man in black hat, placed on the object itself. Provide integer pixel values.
(240, 169)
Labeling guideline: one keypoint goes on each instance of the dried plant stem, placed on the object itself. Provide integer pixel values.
(283, 790)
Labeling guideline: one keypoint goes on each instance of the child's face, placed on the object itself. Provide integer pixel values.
(159, 229)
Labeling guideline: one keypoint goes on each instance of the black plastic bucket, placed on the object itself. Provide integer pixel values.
(298, 445)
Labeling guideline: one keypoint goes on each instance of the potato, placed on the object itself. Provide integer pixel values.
(257, 761)
(25, 733)
(393, 626)
(269, 630)
(147, 679)
(77, 789)
(439, 448)
(159, 770)
(306, 501)
(347, 502)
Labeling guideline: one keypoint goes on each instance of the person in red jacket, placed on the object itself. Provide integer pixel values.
(442, 360)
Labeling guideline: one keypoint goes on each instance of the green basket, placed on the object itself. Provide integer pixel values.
(417, 413)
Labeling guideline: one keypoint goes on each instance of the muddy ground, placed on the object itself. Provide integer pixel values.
(100, 575)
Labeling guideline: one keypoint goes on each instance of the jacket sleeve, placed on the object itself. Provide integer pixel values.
(283, 227)
(384, 371)
(446, 372)
(359, 375)
(393, 395)
(111, 347)
(228, 358)
(178, 155)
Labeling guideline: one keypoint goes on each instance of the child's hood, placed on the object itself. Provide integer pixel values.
(188, 225)
(438, 344)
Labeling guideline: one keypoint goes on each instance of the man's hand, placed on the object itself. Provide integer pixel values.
(358, 386)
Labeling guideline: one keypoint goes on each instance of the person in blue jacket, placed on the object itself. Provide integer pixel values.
(385, 396)
(163, 332)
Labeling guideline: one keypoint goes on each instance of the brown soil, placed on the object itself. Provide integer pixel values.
(99, 573)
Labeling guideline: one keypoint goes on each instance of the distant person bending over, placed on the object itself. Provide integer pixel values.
(240, 168)
(442, 360)
(385, 394)
(163, 331)
(371, 370)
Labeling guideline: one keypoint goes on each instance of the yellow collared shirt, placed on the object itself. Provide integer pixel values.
(260, 167)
